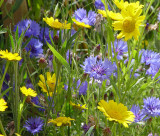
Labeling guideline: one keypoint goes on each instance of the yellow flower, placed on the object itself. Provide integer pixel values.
(78, 106)
(17, 134)
(61, 121)
(54, 23)
(116, 112)
(9, 56)
(103, 13)
(80, 24)
(128, 21)
(1, 135)
(3, 105)
(51, 82)
(28, 92)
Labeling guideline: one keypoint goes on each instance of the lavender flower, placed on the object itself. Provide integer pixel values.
(137, 112)
(99, 5)
(81, 16)
(151, 107)
(36, 101)
(83, 88)
(29, 84)
(34, 47)
(34, 28)
(98, 69)
(158, 17)
(34, 125)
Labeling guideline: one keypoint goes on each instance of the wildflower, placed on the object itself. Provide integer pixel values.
(29, 84)
(83, 88)
(61, 121)
(128, 21)
(3, 105)
(82, 19)
(151, 134)
(33, 28)
(28, 92)
(34, 125)
(9, 56)
(54, 23)
(34, 47)
(103, 13)
(137, 113)
(116, 112)
(99, 5)
(158, 17)
(98, 69)
(78, 106)
(51, 82)
(151, 107)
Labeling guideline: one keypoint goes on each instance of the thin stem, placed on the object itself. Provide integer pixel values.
(2, 129)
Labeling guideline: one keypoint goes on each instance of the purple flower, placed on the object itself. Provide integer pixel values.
(98, 69)
(34, 125)
(158, 17)
(99, 5)
(29, 84)
(34, 47)
(34, 28)
(83, 88)
(151, 107)
(81, 16)
(137, 112)
(151, 134)
(120, 48)
(44, 35)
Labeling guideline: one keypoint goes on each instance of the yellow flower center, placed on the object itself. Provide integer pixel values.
(115, 114)
(129, 25)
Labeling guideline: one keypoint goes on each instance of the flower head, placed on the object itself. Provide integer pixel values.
(33, 27)
(128, 21)
(54, 23)
(99, 5)
(28, 92)
(83, 88)
(61, 121)
(34, 47)
(137, 113)
(151, 107)
(116, 112)
(9, 56)
(78, 106)
(3, 105)
(34, 125)
(98, 69)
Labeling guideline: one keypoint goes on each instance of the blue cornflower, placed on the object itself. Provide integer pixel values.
(83, 88)
(34, 47)
(99, 5)
(98, 69)
(29, 84)
(34, 28)
(151, 107)
(121, 49)
(44, 35)
(34, 125)
(137, 112)
(81, 16)
(158, 17)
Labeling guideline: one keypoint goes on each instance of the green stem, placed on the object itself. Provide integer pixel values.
(5, 71)
(2, 129)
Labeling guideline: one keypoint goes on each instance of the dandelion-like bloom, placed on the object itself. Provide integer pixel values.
(34, 125)
(158, 17)
(98, 69)
(54, 23)
(3, 105)
(51, 82)
(33, 28)
(78, 106)
(137, 113)
(61, 121)
(128, 21)
(9, 56)
(28, 92)
(116, 112)
(151, 107)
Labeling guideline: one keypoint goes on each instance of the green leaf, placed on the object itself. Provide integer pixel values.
(4, 92)
(59, 57)
(57, 11)
(1, 2)
(90, 131)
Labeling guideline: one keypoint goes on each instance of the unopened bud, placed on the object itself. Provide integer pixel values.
(42, 63)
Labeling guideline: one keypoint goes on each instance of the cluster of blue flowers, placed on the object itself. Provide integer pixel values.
(81, 16)
(151, 108)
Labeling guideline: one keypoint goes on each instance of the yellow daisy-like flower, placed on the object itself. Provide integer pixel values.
(80, 24)
(128, 21)
(61, 121)
(54, 23)
(9, 56)
(1, 135)
(116, 112)
(28, 92)
(3, 105)
(102, 12)
(51, 82)
(78, 106)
